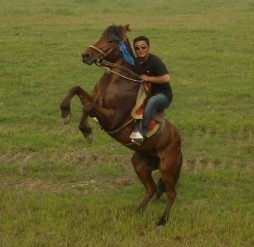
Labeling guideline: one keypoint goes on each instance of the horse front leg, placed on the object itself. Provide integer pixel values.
(85, 98)
(85, 128)
(65, 105)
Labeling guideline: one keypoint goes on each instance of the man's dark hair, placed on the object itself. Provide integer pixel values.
(139, 38)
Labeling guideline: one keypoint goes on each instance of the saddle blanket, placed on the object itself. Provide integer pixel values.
(138, 110)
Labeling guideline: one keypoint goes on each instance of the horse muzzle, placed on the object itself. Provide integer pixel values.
(87, 59)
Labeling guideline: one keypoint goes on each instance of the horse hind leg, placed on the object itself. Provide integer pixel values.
(161, 188)
(144, 173)
(170, 171)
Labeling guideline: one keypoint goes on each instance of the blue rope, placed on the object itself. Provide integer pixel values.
(126, 55)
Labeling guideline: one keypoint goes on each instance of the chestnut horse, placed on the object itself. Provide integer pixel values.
(112, 101)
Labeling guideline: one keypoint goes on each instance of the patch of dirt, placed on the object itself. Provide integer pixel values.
(200, 164)
(79, 161)
(32, 185)
(114, 182)
(83, 187)
(69, 157)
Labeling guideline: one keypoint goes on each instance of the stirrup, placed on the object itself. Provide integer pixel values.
(135, 142)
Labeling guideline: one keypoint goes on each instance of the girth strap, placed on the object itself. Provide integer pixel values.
(121, 127)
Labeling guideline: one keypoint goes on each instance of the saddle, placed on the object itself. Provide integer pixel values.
(158, 121)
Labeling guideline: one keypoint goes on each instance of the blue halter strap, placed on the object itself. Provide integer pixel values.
(126, 55)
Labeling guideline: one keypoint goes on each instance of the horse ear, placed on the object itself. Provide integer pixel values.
(127, 28)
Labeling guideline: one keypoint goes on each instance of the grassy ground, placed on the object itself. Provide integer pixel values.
(56, 190)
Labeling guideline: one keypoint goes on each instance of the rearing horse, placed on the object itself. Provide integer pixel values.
(112, 101)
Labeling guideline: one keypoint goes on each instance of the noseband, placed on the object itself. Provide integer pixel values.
(104, 55)
(99, 50)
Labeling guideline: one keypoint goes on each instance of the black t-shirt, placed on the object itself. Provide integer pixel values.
(153, 66)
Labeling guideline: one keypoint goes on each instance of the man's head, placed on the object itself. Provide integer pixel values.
(141, 46)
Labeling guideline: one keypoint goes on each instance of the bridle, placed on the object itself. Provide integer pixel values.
(101, 62)
(99, 50)
(104, 54)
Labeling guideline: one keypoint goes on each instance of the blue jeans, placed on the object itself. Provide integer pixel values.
(156, 102)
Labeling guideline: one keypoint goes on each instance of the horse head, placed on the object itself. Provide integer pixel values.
(108, 46)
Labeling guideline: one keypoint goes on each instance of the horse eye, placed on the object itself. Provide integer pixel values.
(111, 41)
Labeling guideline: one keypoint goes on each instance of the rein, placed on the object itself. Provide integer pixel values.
(108, 64)
(125, 77)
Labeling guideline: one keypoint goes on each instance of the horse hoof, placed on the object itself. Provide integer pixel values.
(140, 210)
(161, 222)
(67, 119)
(89, 138)
(159, 228)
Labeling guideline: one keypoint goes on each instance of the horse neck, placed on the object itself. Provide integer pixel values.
(122, 62)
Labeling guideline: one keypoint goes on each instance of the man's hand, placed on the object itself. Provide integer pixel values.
(156, 79)
(145, 78)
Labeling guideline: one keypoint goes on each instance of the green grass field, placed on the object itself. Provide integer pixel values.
(57, 190)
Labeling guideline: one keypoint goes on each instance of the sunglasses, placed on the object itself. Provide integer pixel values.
(140, 48)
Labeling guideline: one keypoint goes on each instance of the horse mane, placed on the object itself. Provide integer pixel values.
(117, 30)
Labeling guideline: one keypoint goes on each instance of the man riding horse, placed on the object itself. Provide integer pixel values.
(156, 76)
